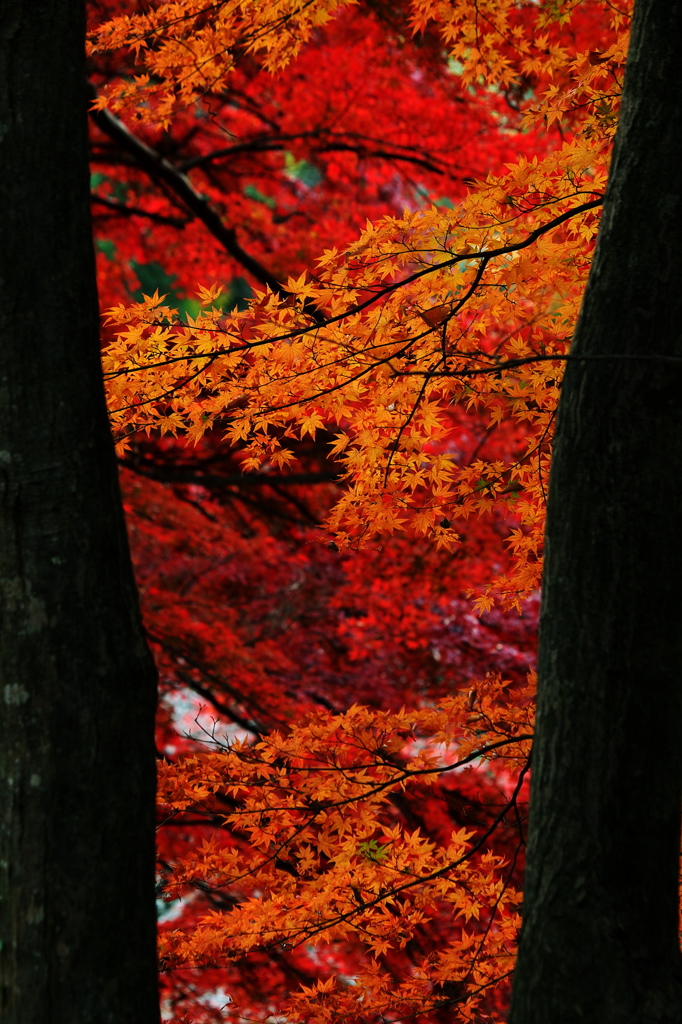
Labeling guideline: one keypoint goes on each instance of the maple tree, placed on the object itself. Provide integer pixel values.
(373, 664)
(428, 347)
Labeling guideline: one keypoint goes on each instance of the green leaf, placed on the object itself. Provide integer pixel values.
(253, 193)
(302, 170)
(373, 850)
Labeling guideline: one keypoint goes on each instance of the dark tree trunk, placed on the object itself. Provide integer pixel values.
(77, 686)
(600, 937)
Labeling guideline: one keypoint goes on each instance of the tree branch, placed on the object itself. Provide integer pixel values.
(180, 475)
(137, 211)
(156, 166)
(277, 143)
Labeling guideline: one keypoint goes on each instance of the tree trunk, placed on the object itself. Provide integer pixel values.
(77, 685)
(600, 936)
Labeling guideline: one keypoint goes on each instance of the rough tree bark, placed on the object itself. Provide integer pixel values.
(77, 685)
(600, 935)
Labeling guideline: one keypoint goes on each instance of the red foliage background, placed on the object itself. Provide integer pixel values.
(254, 617)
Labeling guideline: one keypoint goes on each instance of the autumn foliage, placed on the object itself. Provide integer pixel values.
(342, 251)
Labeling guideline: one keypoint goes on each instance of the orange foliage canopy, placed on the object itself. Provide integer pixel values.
(423, 312)
(382, 343)
(320, 861)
